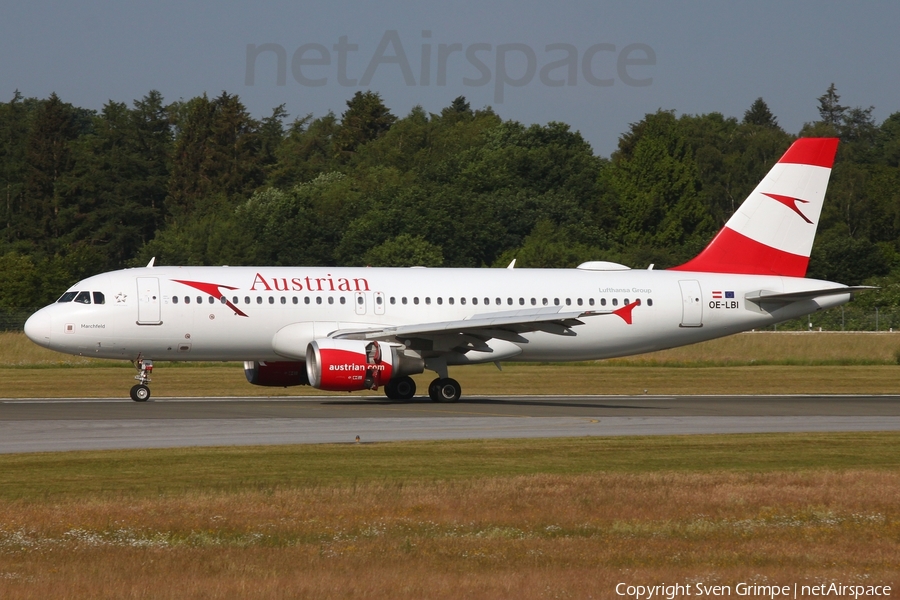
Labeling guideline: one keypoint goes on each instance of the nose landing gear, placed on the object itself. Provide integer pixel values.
(141, 391)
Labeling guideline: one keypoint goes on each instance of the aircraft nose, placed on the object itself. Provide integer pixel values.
(38, 327)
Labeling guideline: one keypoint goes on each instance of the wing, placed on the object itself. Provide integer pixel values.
(473, 333)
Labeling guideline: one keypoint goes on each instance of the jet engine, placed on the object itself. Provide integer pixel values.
(350, 365)
(276, 374)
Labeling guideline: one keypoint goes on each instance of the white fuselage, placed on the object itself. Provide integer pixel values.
(233, 313)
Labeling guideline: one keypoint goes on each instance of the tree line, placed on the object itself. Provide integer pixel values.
(203, 182)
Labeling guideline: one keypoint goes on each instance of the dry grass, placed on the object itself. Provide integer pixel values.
(767, 347)
(535, 536)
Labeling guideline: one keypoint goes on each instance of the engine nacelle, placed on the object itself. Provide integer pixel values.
(276, 374)
(351, 365)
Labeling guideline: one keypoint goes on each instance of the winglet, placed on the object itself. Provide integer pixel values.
(625, 311)
(152, 260)
(512, 265)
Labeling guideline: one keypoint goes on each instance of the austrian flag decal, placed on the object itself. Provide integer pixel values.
(719, 295)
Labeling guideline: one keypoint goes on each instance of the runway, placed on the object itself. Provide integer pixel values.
(43, 425)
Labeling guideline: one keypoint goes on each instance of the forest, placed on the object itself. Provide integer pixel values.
(202, 182)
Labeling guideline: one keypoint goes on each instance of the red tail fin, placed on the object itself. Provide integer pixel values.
(773, 230)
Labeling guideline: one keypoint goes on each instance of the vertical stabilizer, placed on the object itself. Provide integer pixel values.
(772, 232)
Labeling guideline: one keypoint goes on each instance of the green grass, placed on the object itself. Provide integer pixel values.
(143, 473)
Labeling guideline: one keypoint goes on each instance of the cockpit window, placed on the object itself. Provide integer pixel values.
(99, 298)
(67, 297)
(83, 297)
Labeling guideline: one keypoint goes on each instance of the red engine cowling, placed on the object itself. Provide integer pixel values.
(348, 365)
(276, 374)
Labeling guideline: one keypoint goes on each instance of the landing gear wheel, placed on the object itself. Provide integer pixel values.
(445, 390)
(433, 390)
(140, 393)
(400, 389)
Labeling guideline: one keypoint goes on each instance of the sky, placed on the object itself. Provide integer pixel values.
(597, 66)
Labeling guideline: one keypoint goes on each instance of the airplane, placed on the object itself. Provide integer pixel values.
(350, 329)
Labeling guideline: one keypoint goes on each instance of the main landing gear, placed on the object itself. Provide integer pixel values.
(442, 389)
(141, 391)
(403, 388)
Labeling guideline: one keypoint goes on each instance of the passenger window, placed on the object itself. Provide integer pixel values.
(625, 301)
(474, 300)
(199, 299)
(284, 300)
(83, 298)
(615, 301)
(259, 299)
(99, 298)
(67, 297)
(246, 299)
(174, 299)
(568, 302)
(521, 301)
(509, 301)
(556, 301)
(602, 302)
(330, 299)
(591, 301)
(271, 300)
(212, 300)
(534, 302)
(393, 300)
(580, 302)
(544, 302)
(359, 300)
(305, 299)
(379, 300)
(487, 301)
(416, 300)
(319, 299)
(403, 300)
(462, 300)
(440, 300)
(450, 300)
(223, 300)
(343, 300)
(427, 300)
(295, 300)
(187, 299)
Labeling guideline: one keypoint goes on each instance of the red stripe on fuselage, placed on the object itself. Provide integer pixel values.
(213, 290)
(731, 252)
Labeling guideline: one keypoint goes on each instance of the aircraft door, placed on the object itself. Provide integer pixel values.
(359, 301)
(691, 304)
(148, 301)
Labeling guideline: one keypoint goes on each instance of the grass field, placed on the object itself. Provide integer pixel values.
(561, 518)
(470, 519)
(751, 363)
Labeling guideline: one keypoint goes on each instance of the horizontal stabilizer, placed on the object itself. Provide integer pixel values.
(788, 297)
